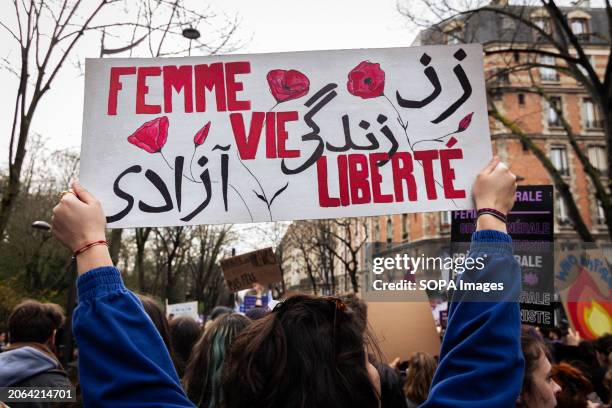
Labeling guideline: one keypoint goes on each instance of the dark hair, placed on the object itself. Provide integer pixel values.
(359, 307)
(308, 352)
(257, 313)
(419, 375)
(218, 311)
(575, 387)
(158, 317)
(184, 332)
(202, 379)
(32, 321)
(603, 344)
(532, 346)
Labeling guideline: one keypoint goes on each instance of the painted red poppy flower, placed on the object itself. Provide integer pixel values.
(366, 80)
(287, 85)
(200, 137)
(465, 122)
(151, 136)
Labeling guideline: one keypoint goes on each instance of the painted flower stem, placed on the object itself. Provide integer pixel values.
(263, 193)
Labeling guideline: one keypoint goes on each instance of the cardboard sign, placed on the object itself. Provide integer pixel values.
(183, 309)
(303, 135)
(584, 282)
(242, 271)
(403, 328)
(531, 226)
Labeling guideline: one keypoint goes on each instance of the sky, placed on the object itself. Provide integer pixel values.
(266, 26)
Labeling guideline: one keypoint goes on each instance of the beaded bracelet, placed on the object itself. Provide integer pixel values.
(491, 211)
(88, 246)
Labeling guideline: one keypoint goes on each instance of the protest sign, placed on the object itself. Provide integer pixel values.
(531, 226)
(242, 271)
(403, 328)
(584, 283)
(302, 135)
(183, 309)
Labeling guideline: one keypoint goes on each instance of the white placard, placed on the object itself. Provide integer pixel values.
(183, 309)
(302, 135)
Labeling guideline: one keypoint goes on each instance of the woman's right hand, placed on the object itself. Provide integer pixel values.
(495, 187)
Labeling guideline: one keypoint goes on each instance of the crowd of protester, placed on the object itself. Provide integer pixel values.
(307, 351)
(560, 369)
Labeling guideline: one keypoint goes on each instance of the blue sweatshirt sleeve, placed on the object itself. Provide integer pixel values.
(481, 363)
(123, 361)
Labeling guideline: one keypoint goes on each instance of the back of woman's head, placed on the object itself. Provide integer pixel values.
(155, 312)
(575, 387)
(184, 332)
(202, 379)
(420, 372)
(308, 352)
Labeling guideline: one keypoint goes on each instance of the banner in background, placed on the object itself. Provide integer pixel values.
(584, 283)
(301, 135)
(183, 309)
(531, 226)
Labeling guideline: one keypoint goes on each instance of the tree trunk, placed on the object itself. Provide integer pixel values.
(114, 246)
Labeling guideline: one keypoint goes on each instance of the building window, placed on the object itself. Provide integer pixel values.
(544, 25)
(548, 74)
(404, 226)
(376, 230)
(583, 69)
(597, 157)
(590, 115)
(508, 23)
(562, 217)
(554, 106)
(389, 230)
(521, 99)
(558, 156)
(601, 215)
(579, 26)
(445, 218)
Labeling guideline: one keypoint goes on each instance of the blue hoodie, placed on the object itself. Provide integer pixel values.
(123, 361)
(22, 363)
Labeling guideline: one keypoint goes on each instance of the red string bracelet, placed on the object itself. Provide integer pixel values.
(89, 246)
(492, 211)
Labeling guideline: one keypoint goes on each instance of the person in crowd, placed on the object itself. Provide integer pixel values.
(184, 332)
(608, 380)
(308, 351)
(576, 389)
(257, 312)
(30, 361)
(157, 316)
(3, 343)
(216, 312)
(539, 389)
(202, 380)
(480, 363)
(421, 369)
